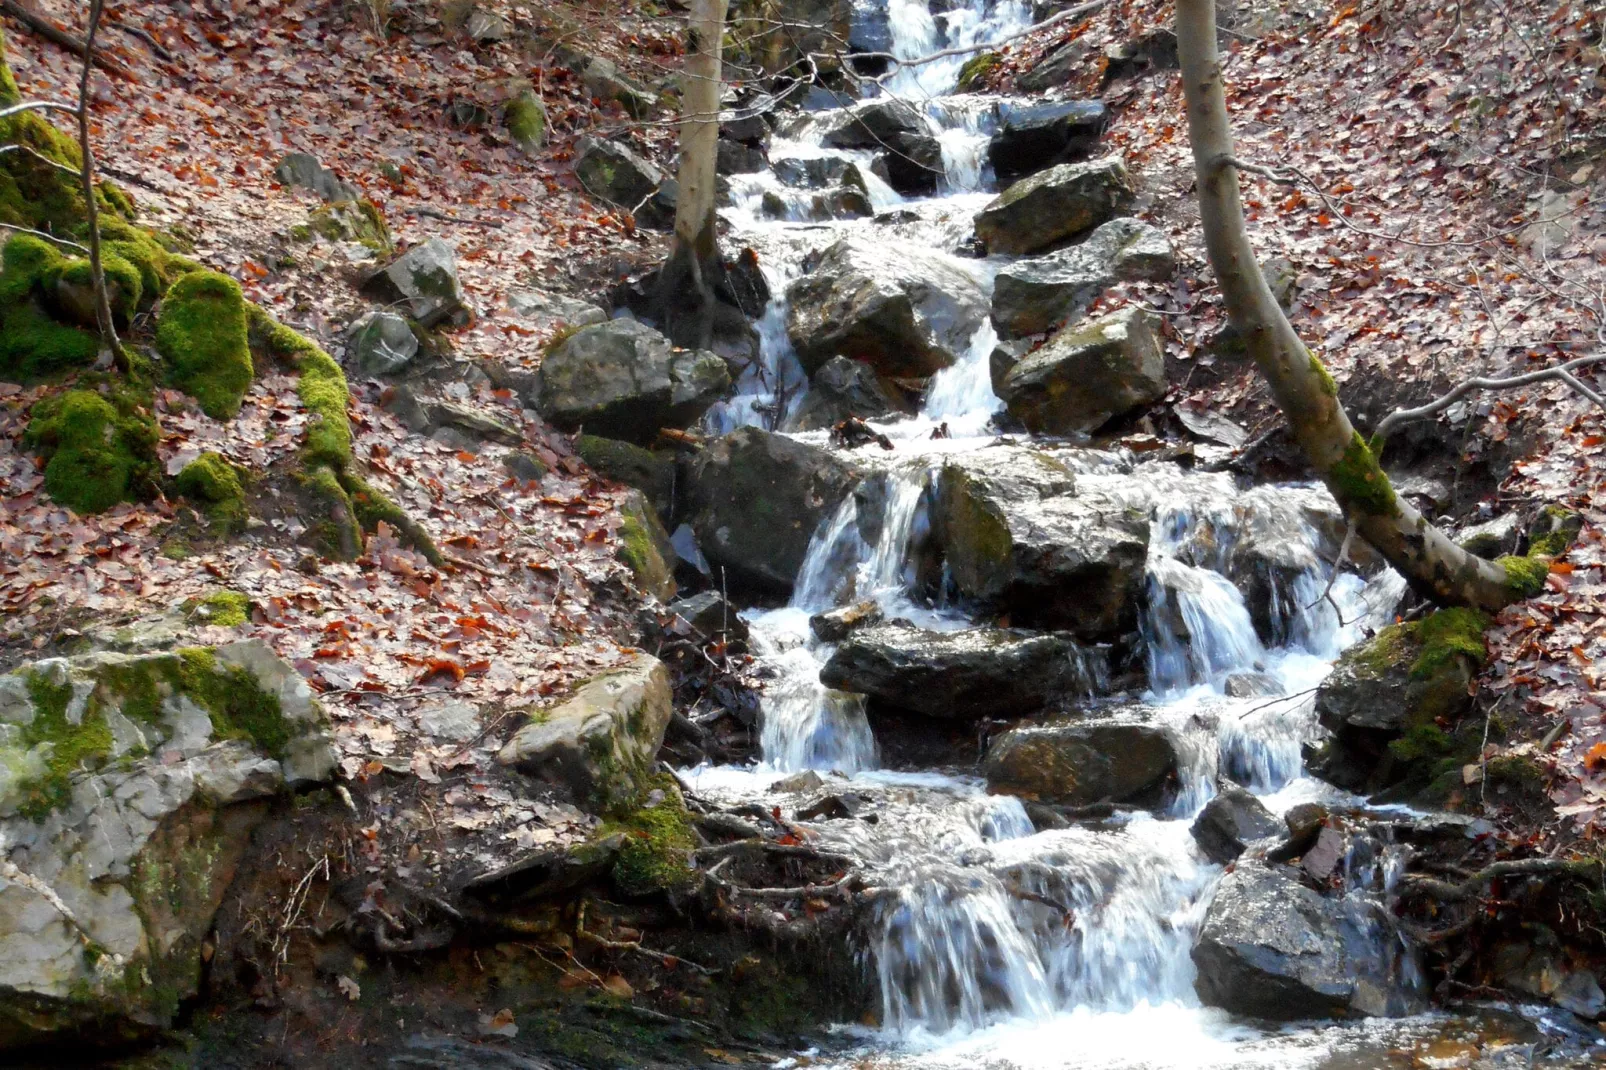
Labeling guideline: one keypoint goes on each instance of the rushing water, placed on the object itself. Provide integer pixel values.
(999, 945)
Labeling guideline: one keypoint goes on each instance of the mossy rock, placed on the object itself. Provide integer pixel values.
(33, 343)
(652, 473)
(226, 609)
(322, 388)
(350, 221)
(201, 332)
(526, 120)
(96, 455)
(73, 290)
(973, 75)
(645, 548)
(216, 486)
(654, 855)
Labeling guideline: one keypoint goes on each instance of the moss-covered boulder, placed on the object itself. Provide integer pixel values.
(99, 449)
(201, 333)
(33, 342)
(1055, 205)
(645, 548)
(652, 473)
(216, 486)
(1394, 705)
(129, 786)
(526, 121)
(602, 742)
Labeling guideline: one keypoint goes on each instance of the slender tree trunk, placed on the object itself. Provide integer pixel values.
(1434, 566)
(103, 307)
(686, 288)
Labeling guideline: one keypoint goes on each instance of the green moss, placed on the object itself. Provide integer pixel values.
(526, 121)
(123, 288)
(1359, 483)
(1329, 387)
(71, 747)
(1423, 742)
(355, 221)
(34, 345)
(338, 531)
(239, 708)
(322, 389)
(201, 331)
(372, 506)
(641, 537)
(226, 609)
(656, 853)
(1448, 634)
(158, 266)
(216, 485)
(976, 70)
(1525, 576)
(92, 460)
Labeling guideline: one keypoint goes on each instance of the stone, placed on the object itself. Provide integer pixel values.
(1087, 375)
(1119, 758)
(474, 421)
(645, 547)
(486, 27)
(1251, 685)
(624, 380)
(129, 847)
(1230, 822)
(525, 466)
(548, 873)
(836, 202)
(1057, 67)
(902, 309)
(1304, 824)
(739, 158)
(1492, 538)
(958, 675)
(306, 171)
(1055, 205)
(602, 742)
(1035, 295)
(799, 783)
(841, 389)
(895, 128)
(1019, 536)
(554, 309)
(382, 343)
(711, 615)
(1273, 949)
(611, 172)
(754, 500)
(1152, 50)
(652, 473)
(602, 80)
(818, 172)
(1032, 137)
(458, 721)
(424, 279)
(835, 625)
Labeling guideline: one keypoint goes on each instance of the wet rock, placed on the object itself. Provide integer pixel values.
(601, 742)
(1019, 536)
(1272, 948)
(911, 154)
(754, 500)
(548, 873)
(835, 808)
(1057, 67)
(1389, 700)
(1251, 685)
(799, 783)
(1541, 970)
(977, 672)
(131, 849)
(842, 389)
(1230, 822)
(554, 308)
(424, 279)
(840, 202)
(738, 158)
(613, 173)
(711, 615)
(902, 309)
(651, 472)
(429, 1052)
(1123, 758)
(1032, 296)
(645, 547)
(1035, 136)
(835, 625)
(1304, 824)
(1087, 375)
(819, 172)
(624, 380)
(1055, 205)
(1492, 538)
(306, 171)
(382, 343)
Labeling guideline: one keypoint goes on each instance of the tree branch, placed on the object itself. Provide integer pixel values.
(103, 306)
(1561, 372)
(57, 36)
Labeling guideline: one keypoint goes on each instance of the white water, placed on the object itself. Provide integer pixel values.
(1001, 946)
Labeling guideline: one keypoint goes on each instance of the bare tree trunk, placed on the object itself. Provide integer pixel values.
(1435, 566)
(685, 288)
(103, 307)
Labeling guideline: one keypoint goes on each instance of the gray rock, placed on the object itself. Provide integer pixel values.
(1230, 822)
(1034, 295)
(1272, 948)
(711, 615)
(382, 343)
(525, 466)
(486, 27)
(645, 547)
(613, 173)
(1087, 375)
(1492, 538)
(977, 672)
(652, 473)
(133, 851)
(1020, 537)
(1057, 67)
(624, 380)
(424, 279)
(836, 202)
(1055, 205)
(457, 721)
(1035, 136)
(754, 500)
(1251, 685)
(818, 172)
(601, 743)
(555, 309)
(1122, 758)
(835, 625)
(740, 158)
(910, 151)
(902, 309)
(476, 422)
(840, 389)
(307, 172)
(545, 874)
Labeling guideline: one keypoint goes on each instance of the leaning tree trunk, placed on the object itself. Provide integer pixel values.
(1434, 566)
(686, 283)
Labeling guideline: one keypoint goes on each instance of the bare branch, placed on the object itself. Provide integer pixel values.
(41, 157)
(899, 63)
(46, 236)
(1561, 373)
(61, 38)
(37, 105)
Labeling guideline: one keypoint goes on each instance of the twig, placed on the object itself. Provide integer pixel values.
(433, 213)
(1522, 867)
(663, 958)
(148, 37)
(103, 307)
(725, 850)
(57, 36)
(1561, 372)
(48, 237)
(1332, 577)
(36, 154)
(37, 105)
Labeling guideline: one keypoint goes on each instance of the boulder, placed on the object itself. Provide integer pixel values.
(382, 343)
(553, 309)
(1057, 67)
(1121, 758)
(1274, 949)
(1032, 137)
(819, 172)
(1088, 374)
(306, 171)
(710, 614)
(895, 128)
(424, 279)
(645, 547)
(1018, 536)
(902, 309)
(835, 625)
(624, 380)
(1035, 295)
(1230, 822)
(129, 788)
(1055, 205)
(739, 158)
(754, 500)
(611, 172)
(962, 675)
(841, 389)
(836, 202)
(477, 423)
(602, 742)
(1492, 538)
(602, 80)
(650, 472)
